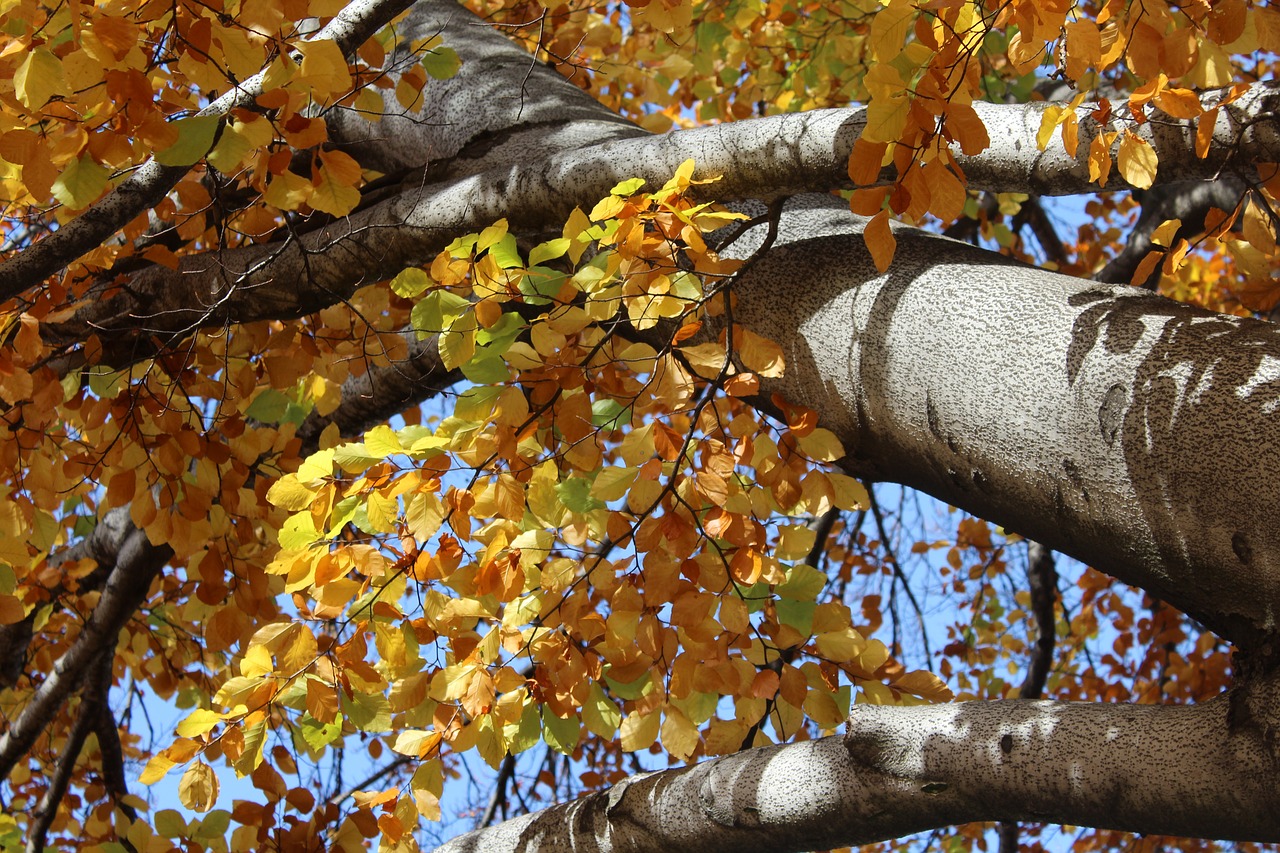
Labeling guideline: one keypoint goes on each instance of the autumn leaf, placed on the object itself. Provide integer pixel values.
(198, 789)
(880, 240)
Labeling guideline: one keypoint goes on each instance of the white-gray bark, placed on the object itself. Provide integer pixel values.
(1142, 768)
(1074, 413)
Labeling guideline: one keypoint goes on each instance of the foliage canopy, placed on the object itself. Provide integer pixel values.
(519, 486)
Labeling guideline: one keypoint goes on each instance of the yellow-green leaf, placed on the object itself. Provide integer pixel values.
(39, 78)
(195, 138)
(81, 182)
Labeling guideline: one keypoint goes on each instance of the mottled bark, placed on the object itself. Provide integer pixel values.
(1148, 769)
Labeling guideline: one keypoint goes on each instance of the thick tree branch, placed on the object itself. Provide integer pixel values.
(902, 770)
(135, 563)
(759, 158)
(1187, 201)
(1065, 411)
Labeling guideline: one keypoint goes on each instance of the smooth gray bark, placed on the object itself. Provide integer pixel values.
(897, 771)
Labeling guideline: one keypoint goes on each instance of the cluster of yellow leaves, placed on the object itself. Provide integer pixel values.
(600, 544)
(90, 91)
(918, 67)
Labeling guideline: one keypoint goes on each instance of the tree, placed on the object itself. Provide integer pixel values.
(244, 252)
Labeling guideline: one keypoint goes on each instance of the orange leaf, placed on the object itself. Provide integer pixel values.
(880, 240)
(865, 161)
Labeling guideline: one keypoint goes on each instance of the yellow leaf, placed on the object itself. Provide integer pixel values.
(382, 441)
(156, 769)
(1083, 49)
(416, 744)
(256, 662)
(707, 360)
(679, 735)
(612, 483)
(198, 722)
(1179, 103)
(926, 685)
(680, 181)
(324, 68)
(1137, 161)
(758, 354)
(287, 191)
(39, 78)
(343, 167)
(839, 646)
(795, 541)
(889, 29)
(1049, 121)
(1163, 236)
(639, 730)
(880, 240)
(289, 494)
(332, 193)
(198, 789)
(849, 493)
(886, 117)
(1100, 158)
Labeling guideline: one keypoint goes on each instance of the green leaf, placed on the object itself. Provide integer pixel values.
(486, 367)
(601, 715)
(268, 407)
(539, 282)
(797, 614)
(561, 735)
(575, 493)
(354, 457)
(627, 187)
(437, 311)
(214, 825)
(500, 335)
(441, 63)
(803, 583)
(610, 413)
(458, 344)
(632, 689)
(505, 253)
(195, 138)
(318, 735)
(613, 482)
(548, 251)
(527, 733)
(369, 712)
(410, 282)
(81, 182)
(298, 531)
(170, 823)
